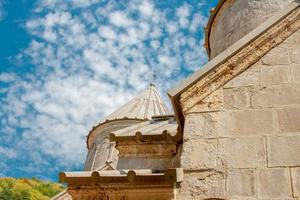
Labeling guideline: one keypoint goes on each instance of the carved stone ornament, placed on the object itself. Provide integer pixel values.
(240, 61)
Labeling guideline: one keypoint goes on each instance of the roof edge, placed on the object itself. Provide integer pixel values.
(211, 19)
(174, 93)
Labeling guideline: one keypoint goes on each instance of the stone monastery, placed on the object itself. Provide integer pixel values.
(235, 132)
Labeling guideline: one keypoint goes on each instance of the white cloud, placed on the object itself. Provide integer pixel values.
(119, 18)
(87, 62)
(183, 13)
(7, 153)
(146, 8)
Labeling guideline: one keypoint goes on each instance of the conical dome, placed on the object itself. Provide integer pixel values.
(144, 106)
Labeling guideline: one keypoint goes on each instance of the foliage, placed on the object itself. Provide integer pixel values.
(27, 189)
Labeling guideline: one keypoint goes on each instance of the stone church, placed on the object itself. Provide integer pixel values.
(235, 131)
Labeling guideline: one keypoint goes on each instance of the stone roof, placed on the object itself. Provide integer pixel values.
(144, 106)
(157, 129)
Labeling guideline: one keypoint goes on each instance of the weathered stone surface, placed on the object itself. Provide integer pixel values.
(294, 51)
(274, 184)
(239, 17)
(289, 119)
(242, 152)
(241, 183)
(283, 151)
(199, 154)
(213, 102)
(277, 56)
(275, 96)
(202, 185)
(236, 98)
(249, 77)
(296, 181)
(275, 74)
(201, 125)
(247, 122)
(296, 72)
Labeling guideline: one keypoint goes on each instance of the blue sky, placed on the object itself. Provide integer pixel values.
(64, 65)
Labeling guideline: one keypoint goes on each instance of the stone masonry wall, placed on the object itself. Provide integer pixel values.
(247, 145)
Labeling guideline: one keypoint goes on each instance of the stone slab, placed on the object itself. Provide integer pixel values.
(203, 185)
(295, 172)
(296, 72)
(241, 183)
(275, 96)
(283, 151)
(201, 125)
(275, 74)
(236, 98)
(274, 184)
(289, 119)
(199, 154)
(242, 152)
(247, 122)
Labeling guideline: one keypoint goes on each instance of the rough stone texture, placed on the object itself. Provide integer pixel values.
(202, 185)
(239, 17)
(236, 98)
(295, 172)
(258, 132)
(275, 96)
(242, 152)
(283, 151)
(274, 184)
(289, 119)
(296, 72)
(281, 58)
(213, 102)
(249, 77)
(199, 154)
(241, 183)
(294, 52)
(201, 125)
(275, 74)
(248, 122)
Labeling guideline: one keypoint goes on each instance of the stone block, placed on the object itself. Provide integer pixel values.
(201, 125)
(247, 122)
(199, 154)
(236, 98)
(194, 125)
(249, 77)
(274, 184)
(275, 96)
(289, 119)
(277, 56)
(293, 39)
(295, 172)
(202, 185)
(275, 74)
(283, 151)
(242, 152)
(294, 51)
(296, 72)
(241, 183)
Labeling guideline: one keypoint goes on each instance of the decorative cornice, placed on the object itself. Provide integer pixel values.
(240, 61)
(122, 178)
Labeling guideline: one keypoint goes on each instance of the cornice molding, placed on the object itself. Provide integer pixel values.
(240, 61)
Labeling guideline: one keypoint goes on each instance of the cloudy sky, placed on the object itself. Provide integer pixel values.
(66, 64)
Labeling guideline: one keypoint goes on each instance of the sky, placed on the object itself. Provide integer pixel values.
(66, 64)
